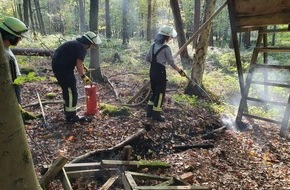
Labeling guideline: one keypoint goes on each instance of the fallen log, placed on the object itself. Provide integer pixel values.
(32, 52)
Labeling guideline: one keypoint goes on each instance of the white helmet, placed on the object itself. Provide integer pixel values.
(92, 37)
(168, 31)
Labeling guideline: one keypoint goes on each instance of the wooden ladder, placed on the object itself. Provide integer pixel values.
(255, 68)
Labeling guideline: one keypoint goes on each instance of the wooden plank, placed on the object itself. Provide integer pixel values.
(254, 13)
(260, 7)
(130, 179)
(262, 118)
(125, 182)
(109, 183)
(273, 49)
(284, 125)
(263, 66)
(119, 163)
(53, 171)
(87, 173)
(272, 84)
(133, 164)
(273, 31)
(65, 181)
(171, 187)
(79, 166)
(266, 101)
(148, 176)
(263, 20)
(167, 183)
(187, 176)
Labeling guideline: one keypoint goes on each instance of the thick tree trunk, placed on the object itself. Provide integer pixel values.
(179, 28)
(17, 169)
(95, 52)
(194, 88)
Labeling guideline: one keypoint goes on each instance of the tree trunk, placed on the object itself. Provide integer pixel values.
(149, 19)
(31, 16)
(125, 21)
(154, 19)
(196, 19)
(247, 39)
(17, 169)
(25, 11)
(19, 11)
(95, 52)
(274, 36)
(179, 29)
(82, 16)
(39, 17)
(108, 20)
(194, 88)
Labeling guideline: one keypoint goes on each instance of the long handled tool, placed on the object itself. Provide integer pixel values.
(147, 84)
(41, 107)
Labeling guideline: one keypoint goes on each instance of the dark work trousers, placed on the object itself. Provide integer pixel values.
(17, 89)
(67, 82)
(158, 86)
(158, 83)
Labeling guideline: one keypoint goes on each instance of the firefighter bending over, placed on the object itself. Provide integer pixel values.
(66, 58)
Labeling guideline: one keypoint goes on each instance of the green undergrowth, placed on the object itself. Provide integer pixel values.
(30, 77)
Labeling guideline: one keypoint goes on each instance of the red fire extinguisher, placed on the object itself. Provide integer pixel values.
(91, 99)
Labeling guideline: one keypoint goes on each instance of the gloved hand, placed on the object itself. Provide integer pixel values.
(86, 69)
(182, 73)
(86, 80)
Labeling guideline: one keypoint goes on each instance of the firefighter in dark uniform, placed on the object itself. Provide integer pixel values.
(159, 54)
(66, 58)
(12, 31)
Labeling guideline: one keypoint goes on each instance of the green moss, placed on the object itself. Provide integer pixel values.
(50, 95)
(31, 77)
(153, 163)
(113, 111)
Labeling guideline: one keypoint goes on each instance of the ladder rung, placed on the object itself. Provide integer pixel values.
(263, 66)
(272, 49)
(262, 118)
(271, 84)
(273, 31)
(266, 101)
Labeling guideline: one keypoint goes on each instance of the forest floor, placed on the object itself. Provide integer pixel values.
(257, 158)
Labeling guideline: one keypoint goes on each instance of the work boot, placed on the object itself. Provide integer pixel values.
(156, 115)
(77, 118)
(149, 110)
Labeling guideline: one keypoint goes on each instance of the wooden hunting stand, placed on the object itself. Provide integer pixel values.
(259, 15)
